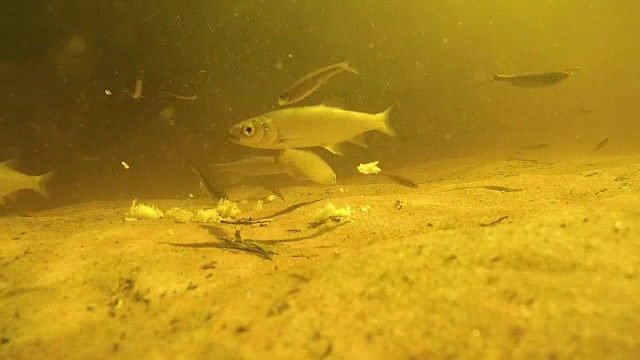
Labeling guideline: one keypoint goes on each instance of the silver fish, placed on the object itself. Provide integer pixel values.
(536, 80)
(311, 82)
(12, 180)
(254, 166)
(308, 165)
(308, 126)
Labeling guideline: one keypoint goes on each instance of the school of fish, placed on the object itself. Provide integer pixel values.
(329, 127)
(292, 131)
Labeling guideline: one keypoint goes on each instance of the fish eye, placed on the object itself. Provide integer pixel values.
(284, 99)
(248, 131)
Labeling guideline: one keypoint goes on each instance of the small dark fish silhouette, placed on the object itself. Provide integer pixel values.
(401, 180)
(601, 144)
(536, 80)
(215, 191)
(537, 146)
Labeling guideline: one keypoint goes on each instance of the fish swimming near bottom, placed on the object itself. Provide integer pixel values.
(250, 167)
(214, 190)
(536, 80)
(295, 163)
(12, 180)
(601, 144)
(307, 164)
(309, 126)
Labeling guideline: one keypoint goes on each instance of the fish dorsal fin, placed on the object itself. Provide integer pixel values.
(336, 149)
(359, 140)
(10, 164)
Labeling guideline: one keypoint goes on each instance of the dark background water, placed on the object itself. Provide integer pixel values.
(430, 59)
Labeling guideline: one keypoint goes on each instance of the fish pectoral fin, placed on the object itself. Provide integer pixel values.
(359, 140)
(336, 149)
(283, 139)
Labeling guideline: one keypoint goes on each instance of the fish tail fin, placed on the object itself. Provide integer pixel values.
(347, 67)
(386, 122)
(43, 184)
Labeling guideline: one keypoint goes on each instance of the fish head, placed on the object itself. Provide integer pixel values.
(255, 132)
(284, 99)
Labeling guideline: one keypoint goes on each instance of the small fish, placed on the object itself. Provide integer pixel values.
(309, 126)
(601, 144)
(308, 165)
(536, 80)
(311, 82)
(254, 166)
(181, 97)
(401, 180)
(137, 91)
(215, 191)
(489, 187)
(12, 180)
(537, 146)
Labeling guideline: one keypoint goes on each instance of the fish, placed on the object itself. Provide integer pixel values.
(308, 165)
(401, 180)
(536, 80)
(540, 146)
(312, 81)
(489, 187)
(191, 97)
(12, 180)
(254, 166)
(137, 91)
(215, 191)
(601, 144)
(309, 126)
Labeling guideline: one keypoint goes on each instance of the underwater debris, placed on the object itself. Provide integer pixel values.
(369, 168)
(143, 212)
(372, 168)
(332, 211)
(179, 215)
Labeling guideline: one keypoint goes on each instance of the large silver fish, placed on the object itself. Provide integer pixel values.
(308, 126)
(12, 180)
(311, 82)
(536, 80)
